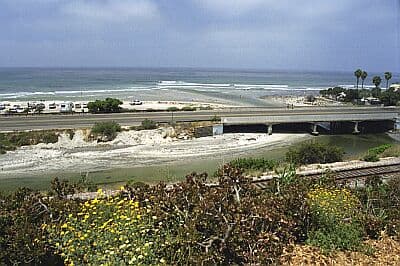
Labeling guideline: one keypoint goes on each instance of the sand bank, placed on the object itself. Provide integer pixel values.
(130, 149)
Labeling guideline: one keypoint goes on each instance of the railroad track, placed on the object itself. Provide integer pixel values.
(345, 175)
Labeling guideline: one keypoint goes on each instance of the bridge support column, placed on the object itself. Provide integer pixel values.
(355, 130)
(314, 129)
(269, 131)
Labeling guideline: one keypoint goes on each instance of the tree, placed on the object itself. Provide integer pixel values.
(109, 105)
(358, 74)
(364, 75)
(376, 92)
(314, 152)
(390, 97)
(388, 76)
(108, 130)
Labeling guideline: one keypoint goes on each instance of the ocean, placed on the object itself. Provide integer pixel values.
(154, 83)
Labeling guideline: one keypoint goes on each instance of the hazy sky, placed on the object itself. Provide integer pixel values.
(259, 34)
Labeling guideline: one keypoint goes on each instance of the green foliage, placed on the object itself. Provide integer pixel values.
(149, 124)
(358, 73)
(188, 108)
(346, 236)
(373, 153)
(336, 92)
(260, 164)
(379, 149)
(217, 225)
(390, 97)
(370, 157)
(381, 206)
(335, 219)
(109, 105)
(11, 141)
(393, 151)
(106, 129)
(172, 109)
(22, 240)
(314, 152)
(113, 231)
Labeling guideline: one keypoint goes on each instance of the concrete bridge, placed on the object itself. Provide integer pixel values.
(328, 119)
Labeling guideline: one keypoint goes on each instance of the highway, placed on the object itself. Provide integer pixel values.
(58, 121)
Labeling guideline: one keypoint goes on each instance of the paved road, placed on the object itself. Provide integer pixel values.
(30, 122)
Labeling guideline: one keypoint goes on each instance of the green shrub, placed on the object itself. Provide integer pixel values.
(314, 152)
(109, 105)
(106, 129)
(11, 141)
(370, 157)
(341, 236)
(22, 239)
(335, 219)
(217, 225)
(112, 231)
(393, 151)
(148, 124)
(172, 109)
(380, 149)
(188, 108)
(373, 153)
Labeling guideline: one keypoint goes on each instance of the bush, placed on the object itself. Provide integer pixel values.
(22, 238)
(113, 231)
(314, 152)
(188, 108)
(109, 105)
(217, 225)
(172, 109)
(11, 141)
(381, 206)
(107, 129)
(335, 220)
(370, 157)
(373, 153)
(148, 124)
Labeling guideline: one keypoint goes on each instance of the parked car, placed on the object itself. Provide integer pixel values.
(135, 102)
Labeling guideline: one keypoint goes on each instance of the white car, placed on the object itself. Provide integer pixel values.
(135, 102)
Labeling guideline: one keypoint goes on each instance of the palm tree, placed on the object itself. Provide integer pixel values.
(388, 76)
(358, 73)
(364, 75)
(376, 91)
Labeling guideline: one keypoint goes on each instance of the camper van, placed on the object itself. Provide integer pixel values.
(66, 107)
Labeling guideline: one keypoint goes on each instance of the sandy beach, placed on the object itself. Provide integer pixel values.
(57, 106)
(129, 149)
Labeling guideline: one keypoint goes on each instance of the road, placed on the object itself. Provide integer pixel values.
(36, 122)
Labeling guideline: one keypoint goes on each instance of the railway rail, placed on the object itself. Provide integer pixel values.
(387, 170)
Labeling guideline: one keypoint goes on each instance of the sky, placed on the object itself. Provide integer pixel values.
(339, 35)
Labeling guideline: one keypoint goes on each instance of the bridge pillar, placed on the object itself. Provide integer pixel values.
(269, 131)
(314, 130)
(355, 130)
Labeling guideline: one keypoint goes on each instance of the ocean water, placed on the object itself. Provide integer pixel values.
(75, 83)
